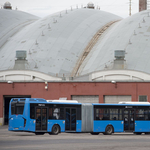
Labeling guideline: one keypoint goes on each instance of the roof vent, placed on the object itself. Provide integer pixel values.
(21, 55)
(7, 5)
(20, 62)
(90, 5)
(119, 54)
(119, 62)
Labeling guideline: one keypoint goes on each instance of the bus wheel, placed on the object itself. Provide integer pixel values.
(138, 133)
(109, 130)
(147, 133)
(55, 129)
(94, 133)
(39, 133)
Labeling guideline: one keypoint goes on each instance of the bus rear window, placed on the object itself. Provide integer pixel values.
(17, 109)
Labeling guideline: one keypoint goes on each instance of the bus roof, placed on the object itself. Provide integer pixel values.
(74, 102)
(63, 101)
(123, 104)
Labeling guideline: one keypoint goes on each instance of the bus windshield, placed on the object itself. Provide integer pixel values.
(17, 108)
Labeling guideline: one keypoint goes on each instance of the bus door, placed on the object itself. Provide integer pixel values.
(129, 121)
(41, 118)
(70, 122)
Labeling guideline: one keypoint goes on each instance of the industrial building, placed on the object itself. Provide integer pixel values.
(84, 54)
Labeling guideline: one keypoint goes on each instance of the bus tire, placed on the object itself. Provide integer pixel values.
(94, 133)
(55, 129)
(109, 130)
(138, 133)
(147, 133)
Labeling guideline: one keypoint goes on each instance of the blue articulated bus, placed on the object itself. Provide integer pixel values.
(42, 116)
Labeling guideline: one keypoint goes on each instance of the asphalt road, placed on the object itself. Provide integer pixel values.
(72, 141)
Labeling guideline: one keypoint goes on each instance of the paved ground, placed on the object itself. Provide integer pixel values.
(69, 141)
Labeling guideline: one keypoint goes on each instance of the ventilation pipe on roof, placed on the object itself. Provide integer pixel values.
(90, 5)
(49, 27)
(119, 62)
(7, 5)
(20, 61)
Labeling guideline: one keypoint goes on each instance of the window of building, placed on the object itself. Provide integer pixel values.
(143, 98)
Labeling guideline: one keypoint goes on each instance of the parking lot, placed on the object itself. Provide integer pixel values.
(72, 141)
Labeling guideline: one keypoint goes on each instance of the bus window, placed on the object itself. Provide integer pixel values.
(142, 114)
(115, 114)
(108, 114)
(56, 113)
(50, 113)
(17, 108)
(102, 114)
(32, 111)
(12, 109)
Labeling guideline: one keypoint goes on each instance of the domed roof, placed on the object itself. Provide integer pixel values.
(90, 5)
(55, 43)
(11, 22)
(132, 35)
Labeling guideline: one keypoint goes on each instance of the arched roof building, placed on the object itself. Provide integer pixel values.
(74, 54)
(78, 43)
(132, 35)
(55, 43)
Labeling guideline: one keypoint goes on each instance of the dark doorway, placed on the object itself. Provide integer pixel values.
(70, 119)
(129, 120)
(7, 99)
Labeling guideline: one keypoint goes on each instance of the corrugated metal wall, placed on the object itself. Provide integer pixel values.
(117, 98)
(86, 98)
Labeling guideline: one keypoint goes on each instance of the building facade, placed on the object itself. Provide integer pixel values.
(91, 92)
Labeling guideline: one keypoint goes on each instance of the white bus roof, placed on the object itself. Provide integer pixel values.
(133, 103)
(63, 101)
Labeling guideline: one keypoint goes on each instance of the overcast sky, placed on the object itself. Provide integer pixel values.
(43, 8)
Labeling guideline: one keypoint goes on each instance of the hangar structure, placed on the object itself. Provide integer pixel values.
(84, 54)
